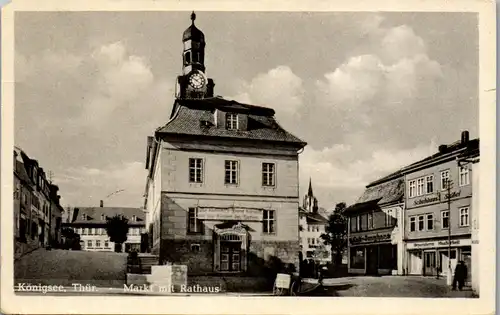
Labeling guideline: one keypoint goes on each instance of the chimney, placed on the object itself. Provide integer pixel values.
(442, 148)
(102, 203)
(465, 137)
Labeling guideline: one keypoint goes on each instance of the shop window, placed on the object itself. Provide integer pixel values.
(464, 216)
(445, 219)
(430, 222)
(269, 224)
(387, 257)
(195, 170)
(357, 258)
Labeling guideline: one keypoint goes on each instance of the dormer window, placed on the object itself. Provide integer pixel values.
(102, 217)
(134, 218)
(84, 217)
(231, 121)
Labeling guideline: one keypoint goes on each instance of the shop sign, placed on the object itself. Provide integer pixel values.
(426, 200)
(437, 198)
(370, 238)
(244, 214)
(434, 244)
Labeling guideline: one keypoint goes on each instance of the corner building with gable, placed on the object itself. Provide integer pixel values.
(222, 187)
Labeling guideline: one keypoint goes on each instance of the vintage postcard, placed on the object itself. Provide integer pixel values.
(198, 157)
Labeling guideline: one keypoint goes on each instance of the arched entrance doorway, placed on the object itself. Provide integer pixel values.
(231, 244)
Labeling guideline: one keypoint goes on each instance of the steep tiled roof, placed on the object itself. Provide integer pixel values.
(94, 215)
(191, 113)
(470, 148)
(312, 217)
(386, 192)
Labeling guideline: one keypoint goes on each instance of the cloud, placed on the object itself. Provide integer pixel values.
(94, 110)
(396, 71)
(100, 182)
(340, 167)
(278, 88)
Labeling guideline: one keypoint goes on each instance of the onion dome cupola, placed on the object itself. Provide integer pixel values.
(193, 83)
(194, 48)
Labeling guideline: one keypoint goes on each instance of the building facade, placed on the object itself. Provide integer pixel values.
(90, 224)
(37, 208)
(222, 187)
(311, 225)
(438, 210)
(375, 229)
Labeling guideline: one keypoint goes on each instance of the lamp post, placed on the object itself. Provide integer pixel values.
(449, 276)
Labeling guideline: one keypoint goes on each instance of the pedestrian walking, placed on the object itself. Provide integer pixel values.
(460, 276)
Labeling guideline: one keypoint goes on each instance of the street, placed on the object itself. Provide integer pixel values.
(79, 271)
(389, 286)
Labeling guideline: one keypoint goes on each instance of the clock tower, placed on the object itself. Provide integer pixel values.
(193, 83)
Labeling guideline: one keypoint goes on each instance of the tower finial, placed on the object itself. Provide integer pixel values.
(193, 17)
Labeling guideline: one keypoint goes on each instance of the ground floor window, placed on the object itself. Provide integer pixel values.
(357, 258)
(387, 256)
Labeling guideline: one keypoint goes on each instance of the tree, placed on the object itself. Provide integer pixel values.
(336, 233)
(71, 239)
(117, 230)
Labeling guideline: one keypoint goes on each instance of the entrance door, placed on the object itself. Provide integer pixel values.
(230, 256)
(372, 260)
(429, 263)
(466, 257)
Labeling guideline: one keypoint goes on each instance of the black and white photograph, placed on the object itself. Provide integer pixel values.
(200, 151)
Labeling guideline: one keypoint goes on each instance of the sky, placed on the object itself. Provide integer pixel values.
(368, 92)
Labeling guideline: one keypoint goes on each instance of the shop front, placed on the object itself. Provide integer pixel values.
(372, 253)
(430, 258)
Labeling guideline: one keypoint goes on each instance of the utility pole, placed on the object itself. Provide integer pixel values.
(449, 185)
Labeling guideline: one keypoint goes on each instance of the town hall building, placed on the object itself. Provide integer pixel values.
(222, 187)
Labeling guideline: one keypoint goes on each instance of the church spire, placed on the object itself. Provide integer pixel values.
(310, 191)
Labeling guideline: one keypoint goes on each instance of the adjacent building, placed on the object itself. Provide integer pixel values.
(311, 225)
(222, 187)
(90, 224)
(428, 208)
(37, 208)
(375, 229)
(439, 209)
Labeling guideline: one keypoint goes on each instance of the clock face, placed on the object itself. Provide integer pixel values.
(197, 80)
